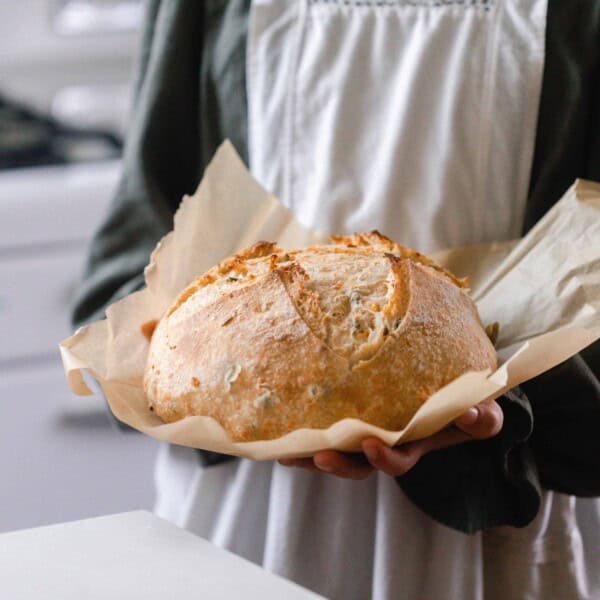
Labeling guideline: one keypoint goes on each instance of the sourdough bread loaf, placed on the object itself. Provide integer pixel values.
(270, 341)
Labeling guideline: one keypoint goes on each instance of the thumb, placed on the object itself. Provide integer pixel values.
(482, 421)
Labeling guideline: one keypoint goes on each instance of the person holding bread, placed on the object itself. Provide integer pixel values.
(438, 123)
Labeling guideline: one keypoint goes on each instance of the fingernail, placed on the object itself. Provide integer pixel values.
(286, 462)
(469, 417)
(323, 466)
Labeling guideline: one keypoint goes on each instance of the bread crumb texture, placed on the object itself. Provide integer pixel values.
(270, 341)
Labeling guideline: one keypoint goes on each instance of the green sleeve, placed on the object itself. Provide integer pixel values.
(566, 400)
(160, 162)
(191, 67)
(481, 484)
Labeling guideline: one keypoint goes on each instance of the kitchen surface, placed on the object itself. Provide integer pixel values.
(65, 91)
(130, 555)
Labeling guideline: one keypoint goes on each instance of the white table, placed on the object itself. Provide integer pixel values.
(132, 555)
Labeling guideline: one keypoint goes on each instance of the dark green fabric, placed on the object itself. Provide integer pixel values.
(224, 111)
(567, 147)
(161, 160)
(566, 400)
(191, 95)
(481, 484)
(566, 440)
(568, 132)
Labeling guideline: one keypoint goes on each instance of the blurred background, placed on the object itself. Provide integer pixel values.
(66, 75)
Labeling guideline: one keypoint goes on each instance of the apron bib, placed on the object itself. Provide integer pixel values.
(415, 117)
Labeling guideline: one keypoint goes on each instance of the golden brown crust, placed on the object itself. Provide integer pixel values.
(307, 337)
(235, 263)
(378, 240)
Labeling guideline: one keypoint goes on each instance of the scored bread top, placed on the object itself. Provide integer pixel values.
(271, 340)
(347, 295)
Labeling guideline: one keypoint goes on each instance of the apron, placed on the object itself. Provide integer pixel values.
(417, 118)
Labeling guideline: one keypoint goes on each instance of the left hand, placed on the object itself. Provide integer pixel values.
(478, 423)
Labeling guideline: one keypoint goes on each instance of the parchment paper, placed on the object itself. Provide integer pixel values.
(544, 290)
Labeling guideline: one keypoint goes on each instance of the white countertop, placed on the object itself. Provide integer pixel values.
(132, 555)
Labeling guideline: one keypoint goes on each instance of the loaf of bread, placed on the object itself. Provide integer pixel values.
(270, 341)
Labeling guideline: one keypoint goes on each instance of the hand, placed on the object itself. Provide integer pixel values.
(478, 423)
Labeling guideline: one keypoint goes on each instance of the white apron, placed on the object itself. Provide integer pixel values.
(416, 118)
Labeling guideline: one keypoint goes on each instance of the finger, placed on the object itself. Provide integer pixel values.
(303, 463)
(450, 436)
(482, 421)
(343, 465)
(392, 461)
(443, 439)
